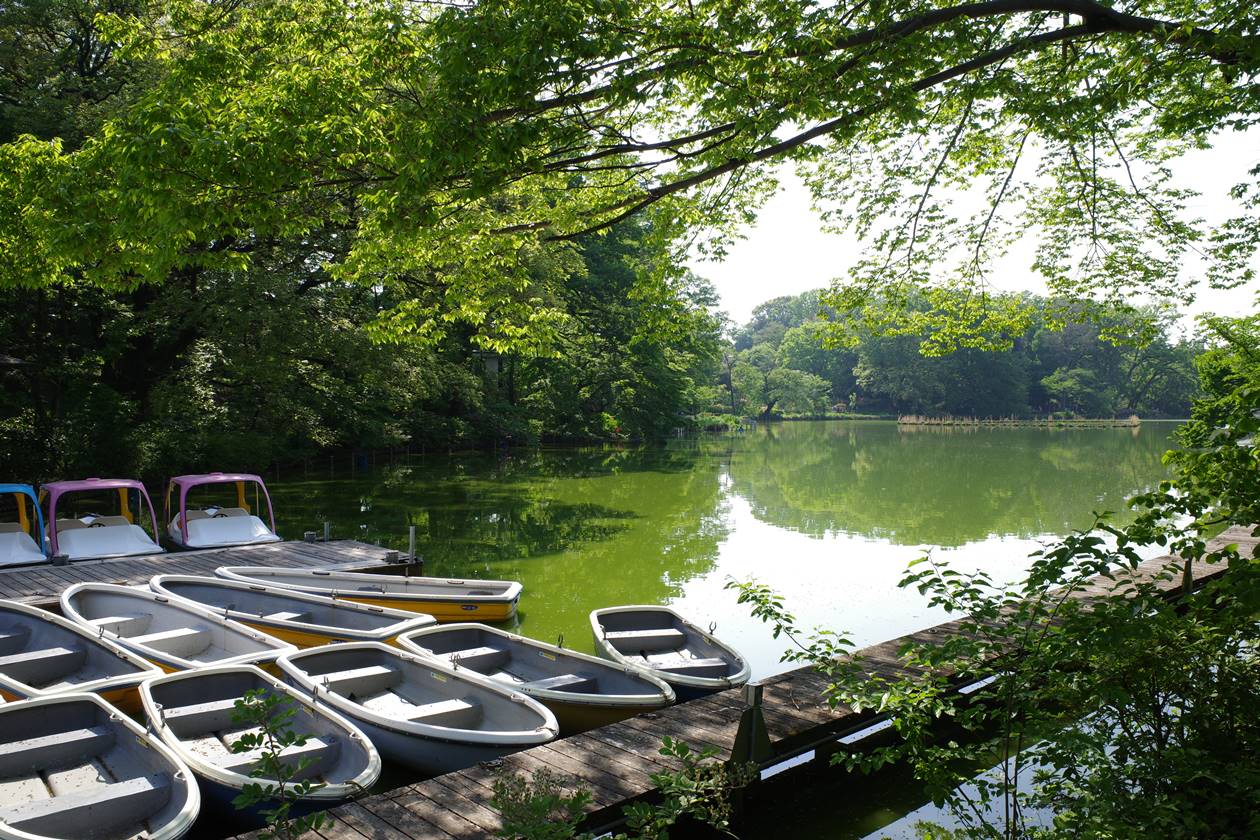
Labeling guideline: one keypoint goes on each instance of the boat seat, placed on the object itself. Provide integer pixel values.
(317, 752)
(200, 718)
(195, 514)
(561, 682)
(633, 641)
(11, 528)
(70, 524)
(480, 658)
(232, 511)
(460, 713)
(104, 808)
(46, 752)
(361, 682)
(179, 641)
(303, 617)
(110, 521)
(14, 638)
(36, 667)
(711, 668)
(120, 624)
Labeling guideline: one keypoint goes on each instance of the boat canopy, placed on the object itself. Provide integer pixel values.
(56, 489)
(184, 483)
(19, 550)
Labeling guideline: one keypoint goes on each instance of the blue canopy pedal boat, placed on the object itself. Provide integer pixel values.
(22, 539)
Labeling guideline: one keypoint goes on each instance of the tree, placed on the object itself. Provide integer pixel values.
(795, 391)
(452, 145)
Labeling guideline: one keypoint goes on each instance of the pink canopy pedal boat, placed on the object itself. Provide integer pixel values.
(79, 530)
(218, 525)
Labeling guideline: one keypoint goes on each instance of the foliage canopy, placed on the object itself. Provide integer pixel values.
(448, 145)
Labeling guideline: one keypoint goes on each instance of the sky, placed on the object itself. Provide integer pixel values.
(786, 252)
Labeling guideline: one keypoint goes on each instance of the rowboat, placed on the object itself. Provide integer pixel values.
(22, 538)
(84, 534)
(582, 691)
(445, 600)
(72, 766)
(195, 714)
(42, 654)
(664, 644)
(299, 618)
(420, 713)
(172, 634)
(216, 525)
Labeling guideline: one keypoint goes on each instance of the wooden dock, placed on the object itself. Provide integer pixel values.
(42, 585)
(614, 763)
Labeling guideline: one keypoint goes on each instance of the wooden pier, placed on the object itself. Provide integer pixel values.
(614, 763)
(42, 585)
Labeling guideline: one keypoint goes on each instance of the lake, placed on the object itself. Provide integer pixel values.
(828, 513)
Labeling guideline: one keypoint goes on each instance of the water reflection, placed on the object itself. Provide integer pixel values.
(828, 513)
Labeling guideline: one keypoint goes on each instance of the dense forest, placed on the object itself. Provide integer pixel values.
(780, 363)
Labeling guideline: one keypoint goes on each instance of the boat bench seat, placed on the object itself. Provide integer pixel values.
(283, 615)
(119, 624)
(13, 638)
(11, 528)
(633, 641)
(70, 524)
(361, 682)
(561, 682)
(479, 658)
(46, 752)
(461, 713)
(200, 718)
(35, 667)
(180, 641)
(317, 753)
(711, 668)
(105, 808)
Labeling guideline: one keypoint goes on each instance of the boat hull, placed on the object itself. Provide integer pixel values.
(443, 611)
(430, 756)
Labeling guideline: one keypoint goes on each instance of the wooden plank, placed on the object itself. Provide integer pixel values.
(471, 800)
(529, 762)
(368, 824)
(435, 813)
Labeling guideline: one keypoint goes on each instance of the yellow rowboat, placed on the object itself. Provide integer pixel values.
(582, 691)
(43, 654)
(445, 600)
(173, 634)
(299, 618)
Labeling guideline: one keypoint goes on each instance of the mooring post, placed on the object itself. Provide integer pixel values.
(752, 742)
(327, 530)
(411, 543)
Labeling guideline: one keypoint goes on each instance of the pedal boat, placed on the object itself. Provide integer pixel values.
(75, 768)
(218, 526)
(172, 634)
(193, 712)
(93, 536)
(298, 618)
(43, 654)
(445, 600)
(420, 713)
(662, 643)
(583, 692)
(22, 542)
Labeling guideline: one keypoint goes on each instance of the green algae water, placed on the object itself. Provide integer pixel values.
(827, 513)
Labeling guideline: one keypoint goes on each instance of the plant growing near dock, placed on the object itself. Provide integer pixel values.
(270, 715)
(539, 808)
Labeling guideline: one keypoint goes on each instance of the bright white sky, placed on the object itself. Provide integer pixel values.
(786, 252)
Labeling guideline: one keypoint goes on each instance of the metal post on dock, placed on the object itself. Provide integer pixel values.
(327, 530)
(752, 741)
(411, 543)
